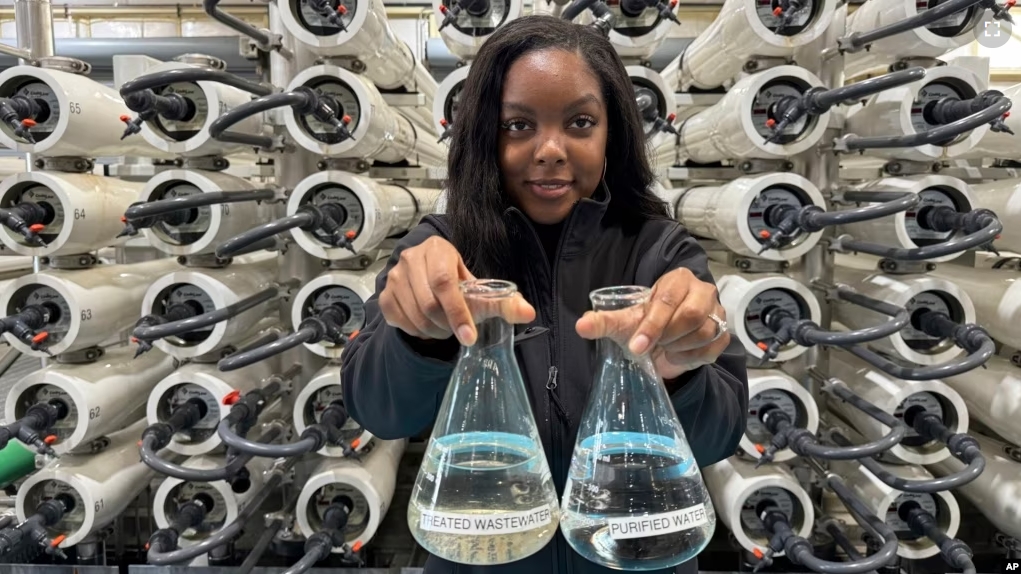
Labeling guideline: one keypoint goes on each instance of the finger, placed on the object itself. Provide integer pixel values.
(617, 325)
(425, 300)
(444, 268)
(696, 339)
(692, 314)
(666, 297)
(394, 315)
(695, 358)
(520, 311)
(404, 296)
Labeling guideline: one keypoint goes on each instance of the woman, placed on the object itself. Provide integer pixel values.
(549, 187)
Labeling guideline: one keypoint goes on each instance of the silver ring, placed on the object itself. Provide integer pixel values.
(721, 326)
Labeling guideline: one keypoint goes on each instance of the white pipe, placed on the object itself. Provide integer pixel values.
(776, 388)
(83, 120)
(745, 297)
(734, 483)
(997, 298)
(993, 396)
(445, 105)
(87, 210)
(102, 397)
(102, 486)
(911, 292)
(322, 390)
(98, 306)
(466, 35)
(662, 146)
(890, 394)
(216, 289)
(375, 210)
(348, 288)
(725, 213)
(213, 225)
(902, 229)
(191, 138)
(918, 43)
(745, 29)
(204, 382)
(733, 129)
(228, 500)
(388, 61)
(884, 501)
(997, 491)
(1003, 198)
(379, 131)
(642, 35)
(898, 112)
(368, 481)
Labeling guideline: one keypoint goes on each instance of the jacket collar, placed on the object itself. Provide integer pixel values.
(581, 226)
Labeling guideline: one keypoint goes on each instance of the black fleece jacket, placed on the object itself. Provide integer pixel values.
(393, 384)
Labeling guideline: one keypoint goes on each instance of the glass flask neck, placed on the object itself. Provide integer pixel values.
(616, 298)
(488, 300)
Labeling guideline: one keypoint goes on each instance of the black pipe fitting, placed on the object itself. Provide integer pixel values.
(24, 219)
(955, 552)
(183, 418)
(17, 112)
(968, 336)
(328, 429)
(171, 106)
(950, 109)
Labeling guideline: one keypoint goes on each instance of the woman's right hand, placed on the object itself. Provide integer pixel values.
(423, 295)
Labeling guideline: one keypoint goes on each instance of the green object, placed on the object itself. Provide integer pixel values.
(16, 461)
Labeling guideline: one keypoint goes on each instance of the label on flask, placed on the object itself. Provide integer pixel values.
(658, 524)
(485, 524)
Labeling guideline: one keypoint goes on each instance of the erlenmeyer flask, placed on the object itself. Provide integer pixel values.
(484, 494)
(634, 498)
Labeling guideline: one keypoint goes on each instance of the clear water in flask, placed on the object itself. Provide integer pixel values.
(634, 498)
(484, 494)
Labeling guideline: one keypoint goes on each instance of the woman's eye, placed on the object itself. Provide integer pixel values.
(582, 123)
(515, 125)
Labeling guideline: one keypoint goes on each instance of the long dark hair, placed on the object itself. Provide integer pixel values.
(475, 198)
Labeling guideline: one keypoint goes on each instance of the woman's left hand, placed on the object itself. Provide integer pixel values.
(674, 324)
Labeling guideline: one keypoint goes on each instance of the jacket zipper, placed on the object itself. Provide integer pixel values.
(560, 555)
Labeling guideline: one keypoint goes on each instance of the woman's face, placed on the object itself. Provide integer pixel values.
(553, 129)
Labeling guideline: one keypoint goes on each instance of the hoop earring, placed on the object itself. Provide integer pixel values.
(604, 168)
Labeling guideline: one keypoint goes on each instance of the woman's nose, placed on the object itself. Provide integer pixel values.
(550, 149)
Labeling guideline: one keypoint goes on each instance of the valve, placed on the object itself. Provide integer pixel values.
(27, 219)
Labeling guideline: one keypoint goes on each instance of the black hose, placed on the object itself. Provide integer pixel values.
(218, 129)
(807, 333)
(818, 100)
(227, 472)
(319, 545)
(963, 447)
(804, 443)
(167, 77)
(241, 359)
(175, 328)
(576, 7)
(986, 234)
(265, 40)
(160, 207)
(227, 533)
(327, 325)
(859, 40)
(304, 100)
(883, 206)
(802, 551)
(824, 99)
(955, 552)
(260, 547)
(972, 338)
(944, 133)
(313, 438)
(300, 220)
